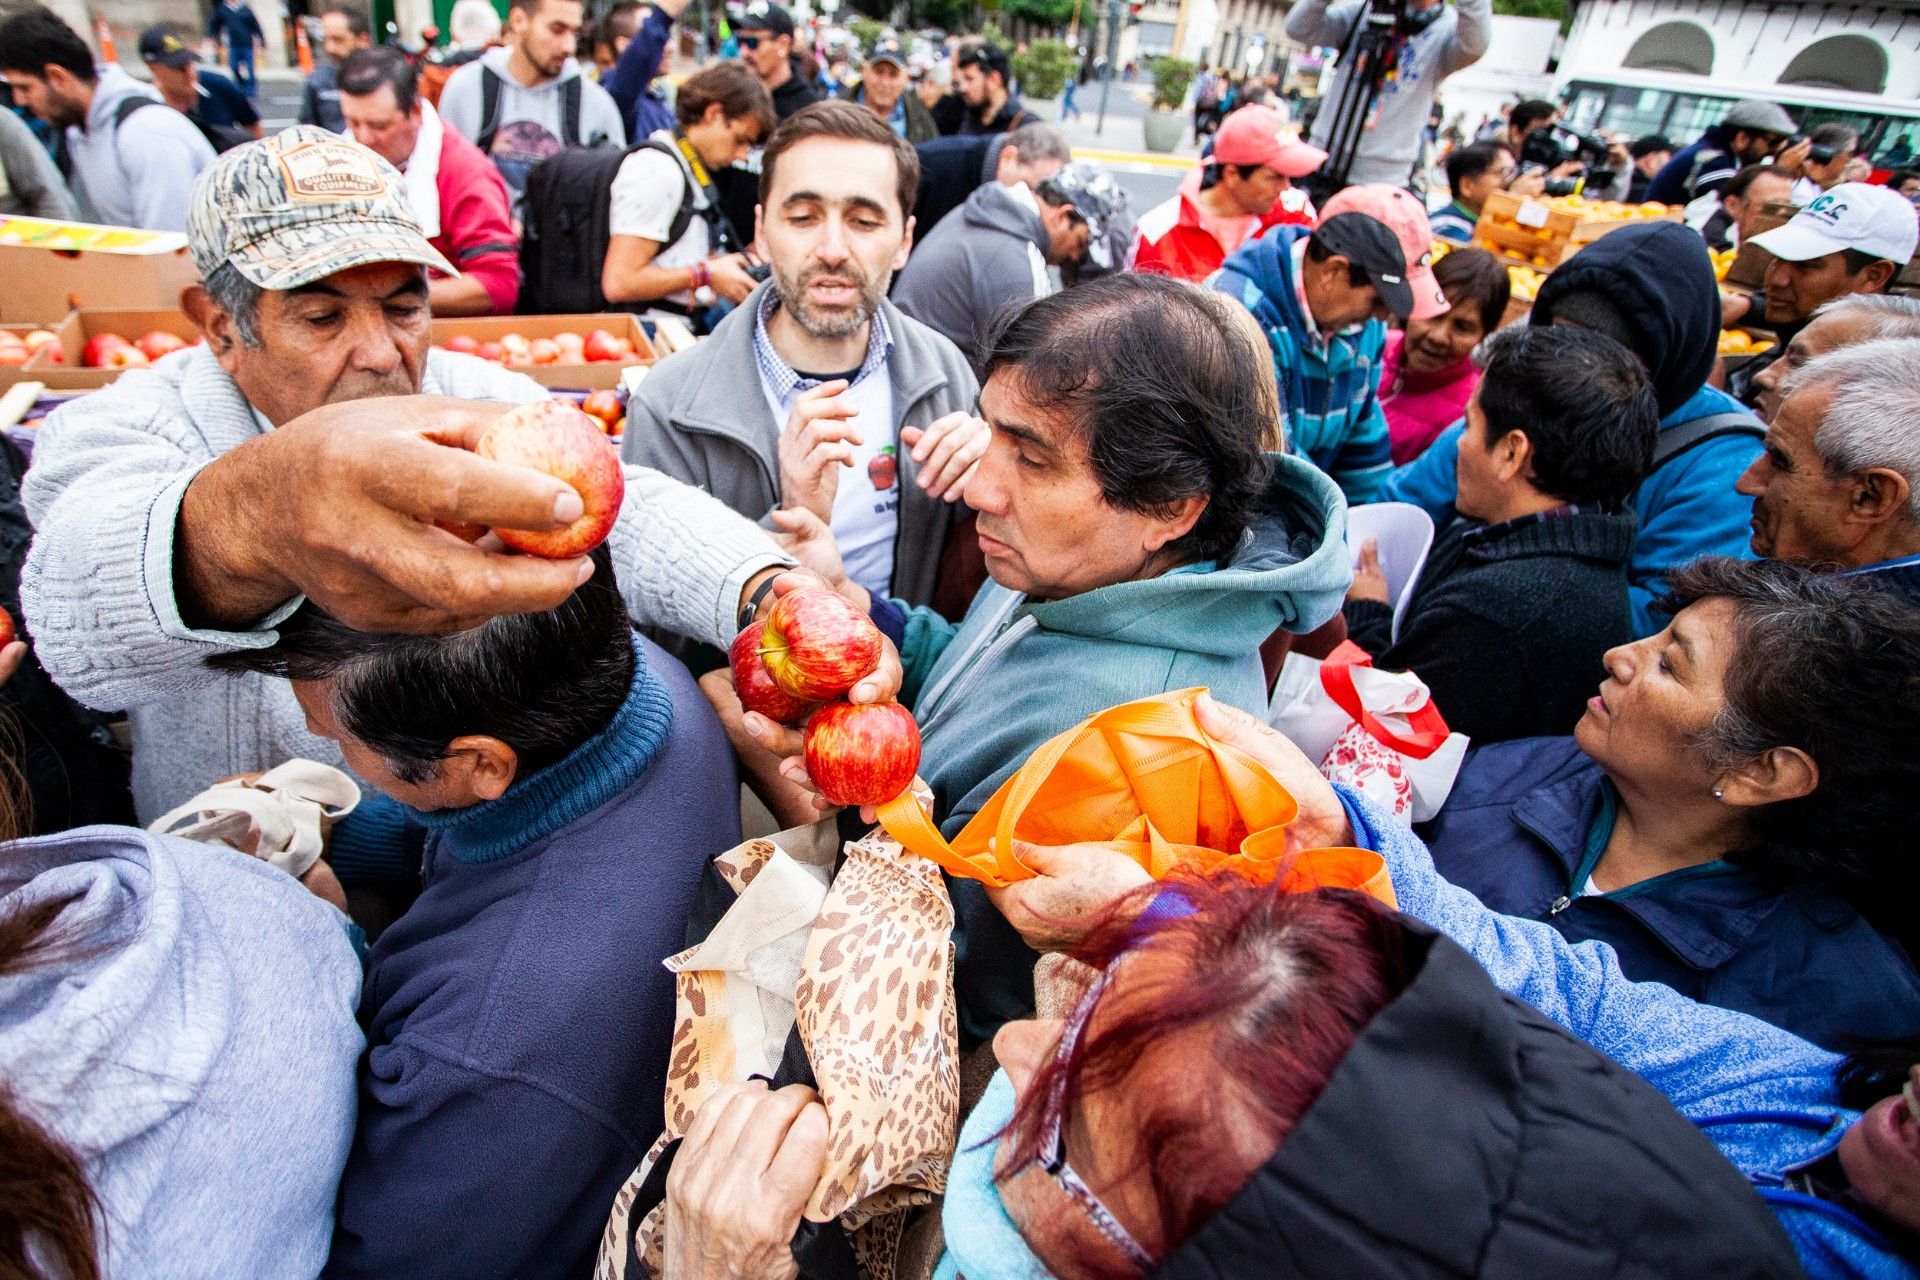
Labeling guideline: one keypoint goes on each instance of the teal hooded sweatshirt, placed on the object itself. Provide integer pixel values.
(1016, 672)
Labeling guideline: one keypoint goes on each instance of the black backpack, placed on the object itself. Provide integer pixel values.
(567, 217)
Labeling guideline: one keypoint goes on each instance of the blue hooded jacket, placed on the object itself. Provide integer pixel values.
(1329, 390)
(1660, 279)
(1766, 1098)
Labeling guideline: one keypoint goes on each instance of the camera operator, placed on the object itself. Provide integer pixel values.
(1557, 160)
(1425, 41)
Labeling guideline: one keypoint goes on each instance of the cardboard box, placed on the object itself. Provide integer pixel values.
(599, 376)
(10, 375)
(75, 331)
(52, 267)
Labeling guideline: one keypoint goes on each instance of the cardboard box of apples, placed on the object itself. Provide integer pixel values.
(576, 352)
(93, 346)
(18, 344)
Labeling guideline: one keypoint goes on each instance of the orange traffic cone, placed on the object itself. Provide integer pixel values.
(302, 48)
(104, 35)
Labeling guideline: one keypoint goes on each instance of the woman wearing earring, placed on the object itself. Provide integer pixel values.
(1734, 811)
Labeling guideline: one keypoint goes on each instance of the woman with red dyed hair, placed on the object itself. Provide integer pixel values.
(1258, 1084)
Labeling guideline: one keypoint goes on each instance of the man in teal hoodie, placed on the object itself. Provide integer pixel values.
(1139, 536)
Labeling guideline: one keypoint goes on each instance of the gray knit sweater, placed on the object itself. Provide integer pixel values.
(109, 470)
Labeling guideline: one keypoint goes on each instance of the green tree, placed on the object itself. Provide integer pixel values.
(1047, 14)
(1043, 69)
(866, 31)
(1171, 76)
(1555, 9)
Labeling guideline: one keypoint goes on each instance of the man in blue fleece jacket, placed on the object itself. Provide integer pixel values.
(1651, 288)
(573, 783)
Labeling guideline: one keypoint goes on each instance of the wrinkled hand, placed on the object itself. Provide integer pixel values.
(1076, 885)
(947, 453)
(729, 277)
(817, 441)
(740, 1182)
(1369, 579)
(340, 505)
(1322, 822)
(806, 537)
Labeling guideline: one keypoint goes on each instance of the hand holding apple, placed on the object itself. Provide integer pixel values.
(556, 438)
(817, 645)
(754, 686)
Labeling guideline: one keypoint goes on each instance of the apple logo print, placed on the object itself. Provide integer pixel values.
(883, 469)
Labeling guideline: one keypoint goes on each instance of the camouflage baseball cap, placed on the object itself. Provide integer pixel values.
(297, 207)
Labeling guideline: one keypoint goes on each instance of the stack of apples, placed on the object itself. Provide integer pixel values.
(111, 351)
(599, 346)
(812, 648)
(605, 408)
(16, 349)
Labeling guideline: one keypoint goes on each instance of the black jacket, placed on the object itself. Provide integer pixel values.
(1009, 117)
(1659, 276)
(951, 169)
(1466, 1135)
(1508, 630)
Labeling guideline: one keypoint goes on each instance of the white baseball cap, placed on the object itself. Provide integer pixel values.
(1854, 215)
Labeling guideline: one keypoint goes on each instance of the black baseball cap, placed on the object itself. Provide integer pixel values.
(889, 49)
(163, 45)
(1649, 145)
(1371, 247)
(762, 15)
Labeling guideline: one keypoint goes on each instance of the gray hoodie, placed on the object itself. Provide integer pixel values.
(195, 1045)
(989, 257)
(529, 127)
(141, 173)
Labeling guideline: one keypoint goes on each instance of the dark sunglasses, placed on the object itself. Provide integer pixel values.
(750, 42)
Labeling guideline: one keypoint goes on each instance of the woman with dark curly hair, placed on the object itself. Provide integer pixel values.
(1734, 810)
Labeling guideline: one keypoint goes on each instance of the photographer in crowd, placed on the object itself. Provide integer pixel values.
(1431, 40)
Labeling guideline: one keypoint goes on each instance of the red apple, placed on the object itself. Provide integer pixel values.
(158, 343)
(39, 338)
(516, 346)
(126, 357)
(604, 405)
(817, 645)
(862, 754)
(463, 343)
(543, 351)
(572, 347)
(491, 351)
(94, 354)
(13, 355)
(556, 438)
(756, 688)
(601, 345)
(7, 633)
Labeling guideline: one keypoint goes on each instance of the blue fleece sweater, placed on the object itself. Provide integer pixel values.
(518, 1018)
(1687, 508)
(1766, 1098)
(1329, 386)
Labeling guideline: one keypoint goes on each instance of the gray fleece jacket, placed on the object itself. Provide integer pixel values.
(141, 173)
(109, 471)
(194, 1041)
(990, 256)
(29, 182)
(701, 416)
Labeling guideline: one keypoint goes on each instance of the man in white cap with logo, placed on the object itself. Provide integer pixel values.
(298, 452)
(1245, 187)
(1852, 239)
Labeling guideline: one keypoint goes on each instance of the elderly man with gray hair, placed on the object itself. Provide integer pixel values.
(1845, 322)
(1838, 484)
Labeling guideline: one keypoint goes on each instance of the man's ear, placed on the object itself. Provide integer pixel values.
(1179, 522)
(906, 246)
(1876, 276)
(760, 233)
(715, 113)
(1777, 774)
(489, 765)
(1878, 494)
(214, 324)
(1513, 455)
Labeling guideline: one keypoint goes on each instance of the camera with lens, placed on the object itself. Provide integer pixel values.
(1552, 145)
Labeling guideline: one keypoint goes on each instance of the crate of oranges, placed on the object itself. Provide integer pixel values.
(1737, 346)
(1543, 232)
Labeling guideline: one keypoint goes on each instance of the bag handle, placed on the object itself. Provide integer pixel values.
(1428, 730)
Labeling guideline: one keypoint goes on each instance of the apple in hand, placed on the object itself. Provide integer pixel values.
(862, 754)
(556, 438)
(818, 645)
(755, 686)
(158, 343)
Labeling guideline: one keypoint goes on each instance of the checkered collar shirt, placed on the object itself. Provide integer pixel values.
(780, 377)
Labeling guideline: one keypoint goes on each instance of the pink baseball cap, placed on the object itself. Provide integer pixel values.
(1258, 134)
(1404, 216)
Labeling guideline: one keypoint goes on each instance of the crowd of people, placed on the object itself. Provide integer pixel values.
(1645, 1000)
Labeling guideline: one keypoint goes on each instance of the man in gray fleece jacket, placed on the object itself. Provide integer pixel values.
(188, 509)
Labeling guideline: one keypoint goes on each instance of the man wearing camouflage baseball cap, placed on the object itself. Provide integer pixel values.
(187, 508)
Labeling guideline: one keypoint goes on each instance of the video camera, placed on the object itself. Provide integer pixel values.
(1400, 15)
(1552, 145)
